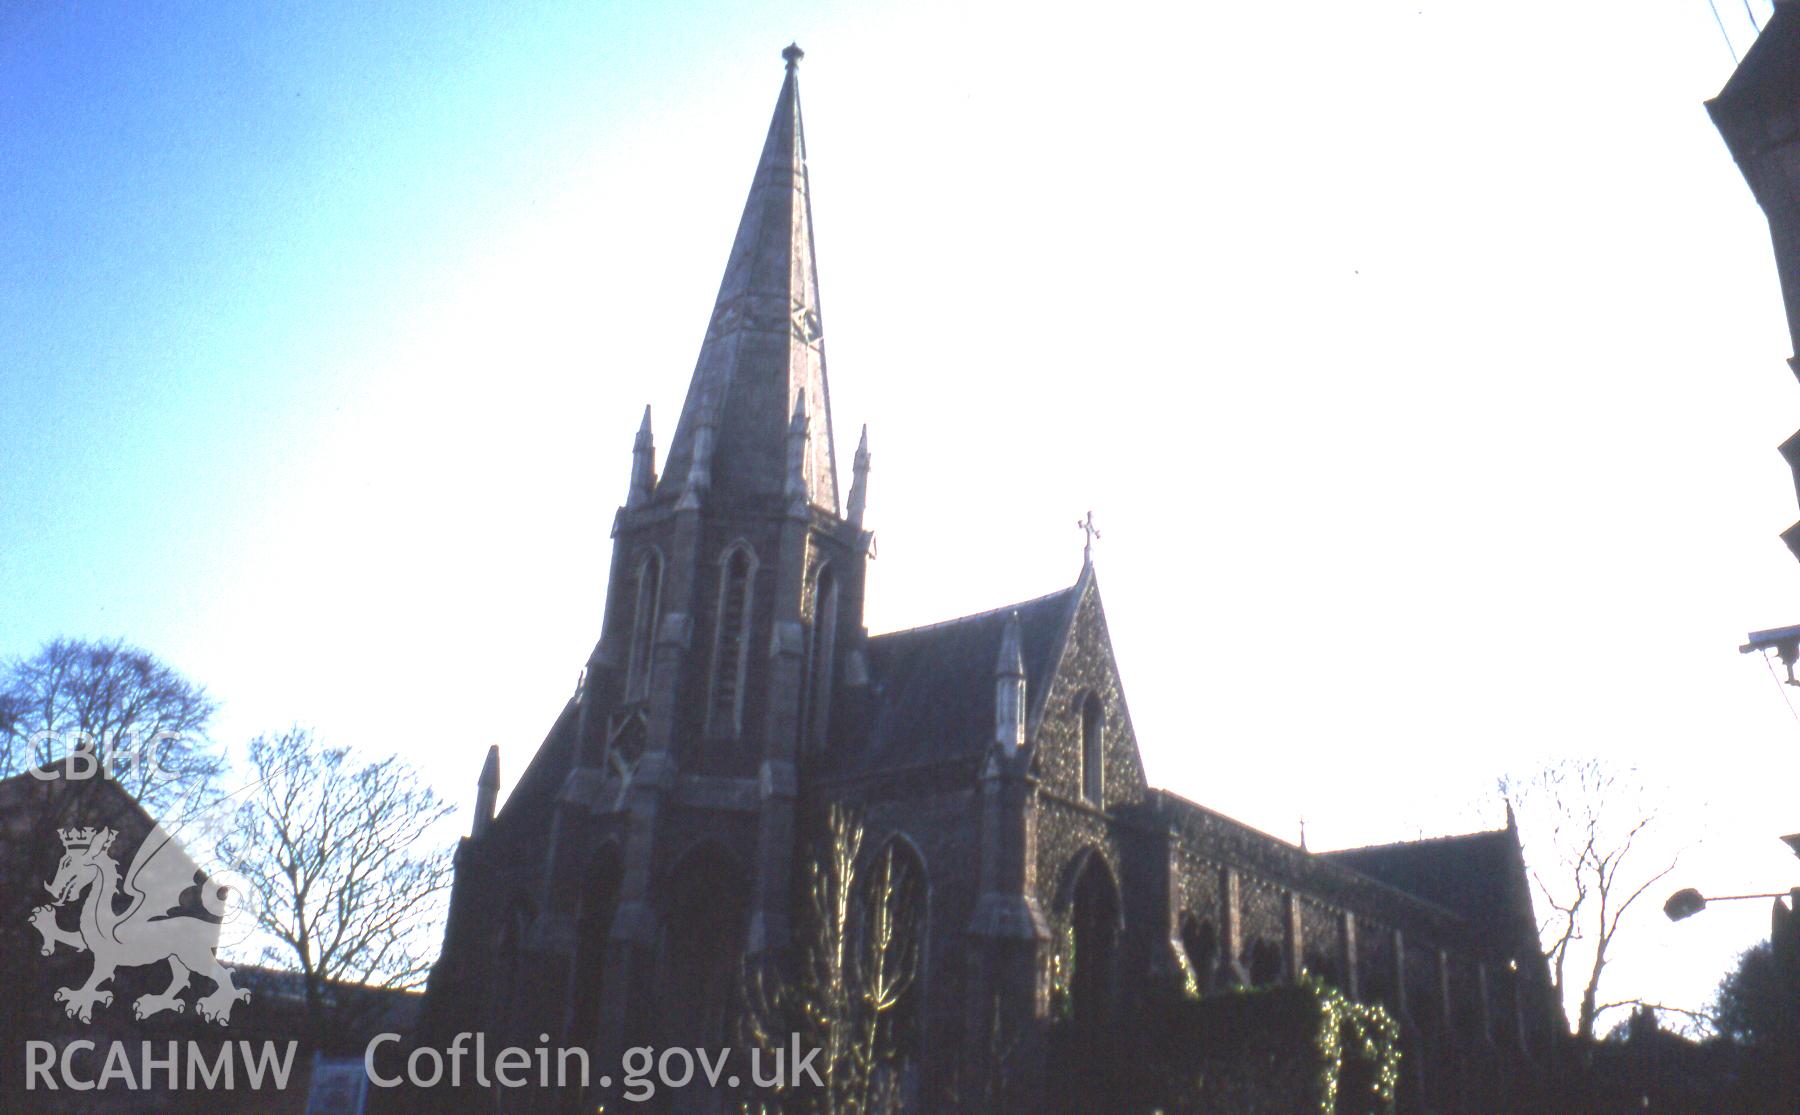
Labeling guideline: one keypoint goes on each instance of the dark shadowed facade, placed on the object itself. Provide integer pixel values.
(1758, 114)
(659, 834)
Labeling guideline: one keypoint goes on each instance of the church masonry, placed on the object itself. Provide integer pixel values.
(659, 834)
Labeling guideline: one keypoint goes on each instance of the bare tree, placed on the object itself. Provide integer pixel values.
(138, 720)
(337, 860)
(101, 707)
(12, 746)
(859, 957)
(1589, 821)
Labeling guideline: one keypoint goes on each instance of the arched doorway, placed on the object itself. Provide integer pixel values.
(1094, 917)
(593, 925)
(1083, 1052)
(510, 967)
(704, 910)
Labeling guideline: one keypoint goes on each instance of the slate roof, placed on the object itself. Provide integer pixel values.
(526, 809)
(387, 1007)
(932, 688)
(1471, 875)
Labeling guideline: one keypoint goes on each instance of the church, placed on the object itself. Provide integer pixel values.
(662, 834)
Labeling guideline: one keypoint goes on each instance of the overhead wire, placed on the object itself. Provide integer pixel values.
(1714, 8)
(1785, 699)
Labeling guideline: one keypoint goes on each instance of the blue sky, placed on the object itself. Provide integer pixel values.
(1421, 362)
(206, 211)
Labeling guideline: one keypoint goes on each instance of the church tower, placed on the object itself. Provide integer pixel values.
(730, 655)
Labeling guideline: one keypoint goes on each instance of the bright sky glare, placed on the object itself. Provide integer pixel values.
(1421, 362)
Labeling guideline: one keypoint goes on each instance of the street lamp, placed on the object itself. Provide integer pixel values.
(1687, 902)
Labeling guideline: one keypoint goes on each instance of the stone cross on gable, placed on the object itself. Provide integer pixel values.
(1092, 533)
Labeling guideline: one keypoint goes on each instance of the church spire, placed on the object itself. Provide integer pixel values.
(763, 356)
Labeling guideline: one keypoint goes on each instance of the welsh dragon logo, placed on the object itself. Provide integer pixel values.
(170, 911)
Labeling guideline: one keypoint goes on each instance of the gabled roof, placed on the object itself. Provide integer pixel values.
(1472, 875)
(48, 800)
(932, 688)
(527, 807)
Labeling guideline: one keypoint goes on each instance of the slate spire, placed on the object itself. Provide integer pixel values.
(763, 356)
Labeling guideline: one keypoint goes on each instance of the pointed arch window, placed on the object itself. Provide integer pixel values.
(509, 945)
(643, 627)
(731, 641)
(1093, 751)
(1264, 962)
(1200, 947)
(892, 939)
(821, 658)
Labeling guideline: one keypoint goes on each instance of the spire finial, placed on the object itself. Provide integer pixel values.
(487, 793)
(859, 482)
(1011, 660)
(792, 54)
(643, 465)
(1009, 690)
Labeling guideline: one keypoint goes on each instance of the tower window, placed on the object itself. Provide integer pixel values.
(643, 628)
(1093, 730)
(821, 654)
(731, 642)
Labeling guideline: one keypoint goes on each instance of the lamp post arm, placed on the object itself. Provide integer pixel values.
(1737, 897)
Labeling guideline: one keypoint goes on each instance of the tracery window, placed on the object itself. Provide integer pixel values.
(643, 627)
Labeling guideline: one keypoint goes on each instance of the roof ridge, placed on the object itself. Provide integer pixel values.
(1419, 842)
(1184, 802)
(1173, 800)
(1065, 631)
(973, 616)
